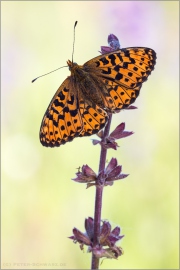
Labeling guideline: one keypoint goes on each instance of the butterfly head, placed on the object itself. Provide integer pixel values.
(71, 64)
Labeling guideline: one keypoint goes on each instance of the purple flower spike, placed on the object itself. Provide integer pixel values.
(95, 141)
(113, 172)
(89, 226)
(107, 238)
(105, 232)
(112, 164)
(86, 175)
(110, 141)
(105, 49)
(116, 230)
(115, 236)
(80, 237)
(119, 132)
(113, 43)
(131, 107)
(109, 253)
(106, 177)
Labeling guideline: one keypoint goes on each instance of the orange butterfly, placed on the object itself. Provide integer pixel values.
(105, 84)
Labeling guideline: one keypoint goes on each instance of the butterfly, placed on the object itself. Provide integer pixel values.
(105, 84)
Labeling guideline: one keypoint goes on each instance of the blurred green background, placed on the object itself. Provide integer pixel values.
(40, 202)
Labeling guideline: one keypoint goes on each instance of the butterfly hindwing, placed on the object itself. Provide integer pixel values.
(120, 97)
(94, 119)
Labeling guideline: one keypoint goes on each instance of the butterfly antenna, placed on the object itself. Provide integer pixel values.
(60, 67)
(47, 73)
(74, 39)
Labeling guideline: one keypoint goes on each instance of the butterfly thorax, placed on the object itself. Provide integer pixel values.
(87, 85)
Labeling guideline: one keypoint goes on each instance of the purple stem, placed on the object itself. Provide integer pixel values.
(99, 192)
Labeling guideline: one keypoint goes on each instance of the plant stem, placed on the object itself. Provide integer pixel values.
(99, 193)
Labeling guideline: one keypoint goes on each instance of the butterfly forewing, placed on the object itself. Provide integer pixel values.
(123, 73)
(127, 66)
